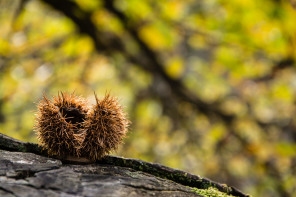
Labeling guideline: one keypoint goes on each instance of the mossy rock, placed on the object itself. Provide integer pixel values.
(26, 170)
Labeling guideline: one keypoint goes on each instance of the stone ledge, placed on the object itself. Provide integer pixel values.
(27, 167)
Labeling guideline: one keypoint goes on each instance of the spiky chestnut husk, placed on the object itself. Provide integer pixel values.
(106, 127)
(60, 124)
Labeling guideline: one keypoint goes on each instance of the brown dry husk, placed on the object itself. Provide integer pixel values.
(67, 126)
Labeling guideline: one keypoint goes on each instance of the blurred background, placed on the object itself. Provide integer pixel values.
(209, 85)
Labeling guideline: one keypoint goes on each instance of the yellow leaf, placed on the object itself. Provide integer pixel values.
(175, 67)
(153, 37)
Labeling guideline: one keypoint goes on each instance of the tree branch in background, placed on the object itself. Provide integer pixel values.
(281, 65)
(146, 59)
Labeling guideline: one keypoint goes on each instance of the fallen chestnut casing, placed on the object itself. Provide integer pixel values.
(67, 127)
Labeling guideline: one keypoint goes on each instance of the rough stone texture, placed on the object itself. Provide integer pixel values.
(27, 170)
(27, 174)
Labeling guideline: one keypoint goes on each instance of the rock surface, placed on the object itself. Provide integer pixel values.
(25, 170)
(27, 174)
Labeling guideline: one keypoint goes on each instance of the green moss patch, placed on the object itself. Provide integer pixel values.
(211, 192)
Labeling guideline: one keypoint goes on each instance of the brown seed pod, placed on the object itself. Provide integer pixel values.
(66, 127)
(106, 127)
(60, 124)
